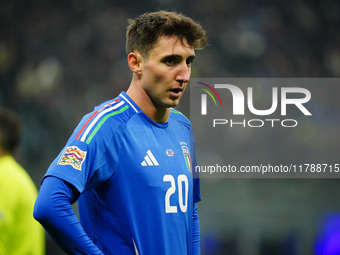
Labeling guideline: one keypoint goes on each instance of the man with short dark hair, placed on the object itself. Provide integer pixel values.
(19, 232)
(129, 162)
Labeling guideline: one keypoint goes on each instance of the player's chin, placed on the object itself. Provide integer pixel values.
(172, 102)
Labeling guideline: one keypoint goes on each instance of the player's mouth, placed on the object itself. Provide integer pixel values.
(176, 92)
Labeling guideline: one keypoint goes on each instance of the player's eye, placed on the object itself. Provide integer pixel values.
(170, 60)
(190, 60)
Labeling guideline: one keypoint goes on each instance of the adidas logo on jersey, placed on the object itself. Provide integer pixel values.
(149, 160)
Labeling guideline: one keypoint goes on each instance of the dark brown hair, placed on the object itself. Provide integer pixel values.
(10, 130)
(144, 31)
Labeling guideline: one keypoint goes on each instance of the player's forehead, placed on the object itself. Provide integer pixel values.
(171, 45)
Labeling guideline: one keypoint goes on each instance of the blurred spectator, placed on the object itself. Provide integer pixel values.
(19, 232)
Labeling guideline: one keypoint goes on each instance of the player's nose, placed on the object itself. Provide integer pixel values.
(184, 73)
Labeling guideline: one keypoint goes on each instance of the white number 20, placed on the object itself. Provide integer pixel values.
(181, 179)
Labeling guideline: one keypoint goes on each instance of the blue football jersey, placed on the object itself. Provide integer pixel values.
(135, 179)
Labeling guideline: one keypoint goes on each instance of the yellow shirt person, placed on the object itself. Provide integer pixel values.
(20, 234)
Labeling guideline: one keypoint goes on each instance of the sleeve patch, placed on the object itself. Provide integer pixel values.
(72, 156)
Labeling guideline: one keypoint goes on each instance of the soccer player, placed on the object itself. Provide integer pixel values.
(128, 163)
(19, 232)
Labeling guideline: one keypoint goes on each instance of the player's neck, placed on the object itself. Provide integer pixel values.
(3, 153)
(141, 98)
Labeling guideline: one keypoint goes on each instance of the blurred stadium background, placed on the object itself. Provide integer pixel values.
(60, 58)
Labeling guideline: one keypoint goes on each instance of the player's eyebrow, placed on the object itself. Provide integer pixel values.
(178, 58)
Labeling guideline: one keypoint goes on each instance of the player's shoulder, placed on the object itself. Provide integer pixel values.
(15, 179)
(179, 117)
(104, 120)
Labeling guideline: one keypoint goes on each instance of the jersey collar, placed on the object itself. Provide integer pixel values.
(136, 108)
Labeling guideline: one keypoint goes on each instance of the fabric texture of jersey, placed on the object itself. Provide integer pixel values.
(19, 232)
(134, 176)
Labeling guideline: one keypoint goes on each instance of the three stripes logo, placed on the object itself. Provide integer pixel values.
(149, 160)
(204, 97)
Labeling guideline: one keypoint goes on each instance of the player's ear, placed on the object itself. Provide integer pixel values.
(135, 61)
